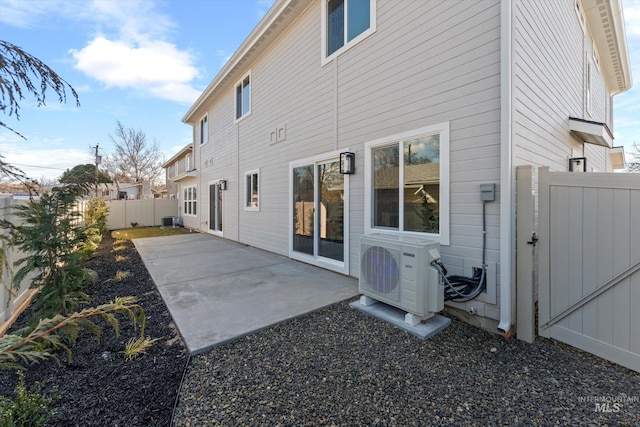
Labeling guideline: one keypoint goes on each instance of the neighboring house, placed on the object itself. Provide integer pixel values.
(126, 191)
(433, 97)
(181, 178)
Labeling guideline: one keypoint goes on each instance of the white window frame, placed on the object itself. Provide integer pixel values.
(330, 264)
(189, 201)
(325, 59)
(444, 226)
(247, 191)
(187, 163)
(235, 97)
(176, 168)
(204, 123)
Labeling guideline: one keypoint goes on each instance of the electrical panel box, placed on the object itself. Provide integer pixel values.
(488, 192)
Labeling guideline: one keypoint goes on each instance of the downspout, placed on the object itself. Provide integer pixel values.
(507, 255)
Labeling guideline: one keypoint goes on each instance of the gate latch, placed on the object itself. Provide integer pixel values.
(534, 239)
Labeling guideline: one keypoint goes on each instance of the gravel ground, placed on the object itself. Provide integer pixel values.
(338, 366)
(100, 387)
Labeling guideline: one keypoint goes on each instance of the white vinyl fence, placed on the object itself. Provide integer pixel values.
(145, 213)
(589, 272)
(10, 303)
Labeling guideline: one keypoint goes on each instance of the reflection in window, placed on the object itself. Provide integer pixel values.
(303, 209)
(386, 194)
(419, 177)
(243, 97)
(350, 17)
(251, 191)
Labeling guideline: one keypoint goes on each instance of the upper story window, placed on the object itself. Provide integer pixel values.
(204, 130)
(176, 169)
(407, 183)
(345, 23)
(187, 162)
(243, 97)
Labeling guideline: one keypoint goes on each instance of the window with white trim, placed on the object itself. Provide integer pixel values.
(345, 23)
(243, 97)
(252, 191)
(190, 201)
(177, 168)
(187, 162)
(204, 130)
(408, 183)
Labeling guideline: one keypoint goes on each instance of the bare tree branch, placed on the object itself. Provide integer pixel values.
(134, 159)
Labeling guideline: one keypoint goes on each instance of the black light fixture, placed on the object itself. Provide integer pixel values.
(347, 163)
(223, 184)
(577, 163)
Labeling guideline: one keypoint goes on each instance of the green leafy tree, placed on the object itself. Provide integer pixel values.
(50, 234)
(84, 174)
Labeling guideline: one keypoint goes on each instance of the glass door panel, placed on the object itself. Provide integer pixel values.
(331, 211)
(215, 208)
(303, 209)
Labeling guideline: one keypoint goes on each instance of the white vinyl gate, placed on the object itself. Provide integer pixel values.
(589, 262)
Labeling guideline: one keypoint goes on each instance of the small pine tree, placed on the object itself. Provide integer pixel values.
(50, 233)
(95, 222)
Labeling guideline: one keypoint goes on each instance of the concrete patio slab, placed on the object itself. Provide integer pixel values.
(218, 290)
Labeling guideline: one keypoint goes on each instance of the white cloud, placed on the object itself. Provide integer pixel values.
(156, 67)
(130, 48)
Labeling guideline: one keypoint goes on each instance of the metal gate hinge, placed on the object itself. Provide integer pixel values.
(534, 239)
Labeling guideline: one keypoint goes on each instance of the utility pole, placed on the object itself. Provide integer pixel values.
(97, 163)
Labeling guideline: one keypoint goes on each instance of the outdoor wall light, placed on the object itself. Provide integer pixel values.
(347, 163)
(223, 184)
(577, 163)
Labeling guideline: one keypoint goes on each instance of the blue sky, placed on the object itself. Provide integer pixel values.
(144, 62)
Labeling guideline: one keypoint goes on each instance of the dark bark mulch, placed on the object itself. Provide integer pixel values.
(100, 387)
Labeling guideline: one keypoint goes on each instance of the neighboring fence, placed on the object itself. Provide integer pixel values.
(589, 256)
(9, 304)
(148, 212)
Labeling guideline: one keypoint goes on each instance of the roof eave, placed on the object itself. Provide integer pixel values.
(188, 147)
(252, 46)
(606, 22)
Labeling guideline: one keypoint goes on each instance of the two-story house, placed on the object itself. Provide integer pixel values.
(427, 99)
(181, 179)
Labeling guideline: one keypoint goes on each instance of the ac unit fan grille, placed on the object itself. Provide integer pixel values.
(381, 272)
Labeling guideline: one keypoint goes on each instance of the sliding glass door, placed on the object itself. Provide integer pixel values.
(319, 213)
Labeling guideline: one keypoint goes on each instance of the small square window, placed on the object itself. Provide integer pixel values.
(243, 97)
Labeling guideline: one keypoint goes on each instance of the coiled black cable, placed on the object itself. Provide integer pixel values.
(462, 288)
